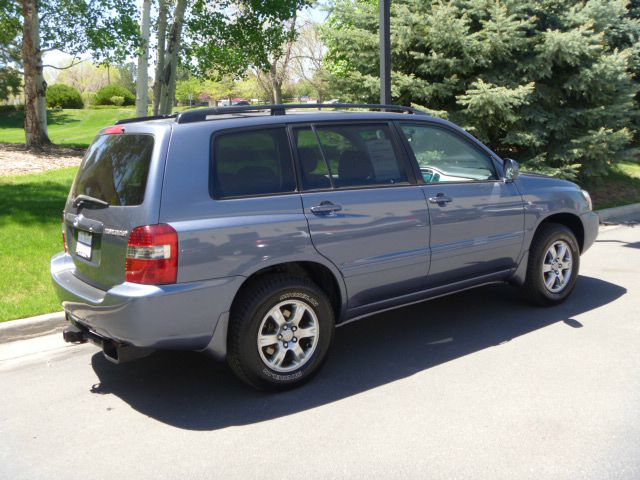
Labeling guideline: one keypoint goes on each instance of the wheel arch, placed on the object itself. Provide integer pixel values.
(569, 220)
(326, 277)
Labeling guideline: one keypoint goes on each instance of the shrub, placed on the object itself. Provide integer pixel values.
(117, 100)
(63, 96)
(105, 95)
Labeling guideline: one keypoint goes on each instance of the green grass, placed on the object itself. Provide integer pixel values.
(30, 233)
(620, 187)
(69, 127)
(74, 128)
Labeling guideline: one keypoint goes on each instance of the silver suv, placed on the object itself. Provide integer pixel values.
(249, 234)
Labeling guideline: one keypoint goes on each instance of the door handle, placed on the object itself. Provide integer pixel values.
(325, 208)
(440, 198)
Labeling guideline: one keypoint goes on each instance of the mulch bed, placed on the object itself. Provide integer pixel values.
(16, 159)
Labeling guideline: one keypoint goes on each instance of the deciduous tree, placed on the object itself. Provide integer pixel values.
(106, 28)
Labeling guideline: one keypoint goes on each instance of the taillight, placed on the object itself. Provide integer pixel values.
(64, 236)
(115, 130)
(152, 255)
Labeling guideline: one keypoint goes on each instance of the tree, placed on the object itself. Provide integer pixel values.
(107, 28)
(9, 51)
(542, 81)
(126, 75)
(277, 70)
(223, 38)
(163, 11)
(35, 88)
(309, 62)
(87, 77)
(170, 64)
(142, 85)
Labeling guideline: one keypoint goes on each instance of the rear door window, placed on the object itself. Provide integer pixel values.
(115, 169)
(250, 163)
(350, 156)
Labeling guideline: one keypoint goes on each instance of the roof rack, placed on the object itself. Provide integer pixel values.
(202, 114)
(144, 119)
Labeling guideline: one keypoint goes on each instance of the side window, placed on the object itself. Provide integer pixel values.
(360, 155)
(445, 157)
(313, 169)
(256, 162)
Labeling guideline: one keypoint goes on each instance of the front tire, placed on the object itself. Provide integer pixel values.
(554, 262)
(280, 330)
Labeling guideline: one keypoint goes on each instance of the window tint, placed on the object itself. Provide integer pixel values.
(360, 155)
(313, 169)
(256, 162)
(115, 169)
(445, 157)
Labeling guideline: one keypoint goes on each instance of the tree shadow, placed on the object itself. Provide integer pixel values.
(29, 203)
(60, 117)
(189, 391)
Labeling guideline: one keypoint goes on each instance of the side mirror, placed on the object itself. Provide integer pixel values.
(511, 170)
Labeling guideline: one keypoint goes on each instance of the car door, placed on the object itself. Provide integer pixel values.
(364, 210)
(477, 219)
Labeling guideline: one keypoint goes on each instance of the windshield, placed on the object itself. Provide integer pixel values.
(115, 169)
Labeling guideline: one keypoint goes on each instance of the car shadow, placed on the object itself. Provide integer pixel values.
(190, 391)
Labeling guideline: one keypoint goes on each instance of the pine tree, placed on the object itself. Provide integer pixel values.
(549, 82)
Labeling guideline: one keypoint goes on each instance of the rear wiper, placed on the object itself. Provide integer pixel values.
(82, 200)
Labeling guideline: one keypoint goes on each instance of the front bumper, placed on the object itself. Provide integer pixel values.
(591, 224)
(178, 316)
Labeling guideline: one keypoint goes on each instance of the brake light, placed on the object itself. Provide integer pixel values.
(115, 130)
(152, 255)
(64, 236)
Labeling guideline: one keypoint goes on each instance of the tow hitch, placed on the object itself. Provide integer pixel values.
(113, 351)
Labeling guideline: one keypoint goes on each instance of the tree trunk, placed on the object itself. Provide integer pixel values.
(162, 40)
(277, 93)
(142, 85)
(276, 84)
(168, 77)
(35, 104)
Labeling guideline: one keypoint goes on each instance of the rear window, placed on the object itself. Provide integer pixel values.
(115, 169)
(250, 163)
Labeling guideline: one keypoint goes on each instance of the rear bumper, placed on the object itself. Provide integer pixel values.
(179, 316)
(591, 224)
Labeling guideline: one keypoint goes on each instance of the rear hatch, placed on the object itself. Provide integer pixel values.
(116, 189)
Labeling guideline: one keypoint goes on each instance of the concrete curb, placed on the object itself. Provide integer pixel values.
(25, 328)
(609, 213)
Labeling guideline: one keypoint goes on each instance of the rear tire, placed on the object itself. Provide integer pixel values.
(280, 330)
(554, 262)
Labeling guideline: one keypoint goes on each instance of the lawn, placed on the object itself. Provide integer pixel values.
(75, 128)
(30, 216)
(620, 187)
(69, 127)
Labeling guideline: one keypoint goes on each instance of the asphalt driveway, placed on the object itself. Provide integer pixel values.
(476, 385)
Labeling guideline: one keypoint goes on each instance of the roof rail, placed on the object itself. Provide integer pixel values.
(144, 119)
(201, 114)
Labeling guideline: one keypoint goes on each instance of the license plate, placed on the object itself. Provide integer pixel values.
(83, 245)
